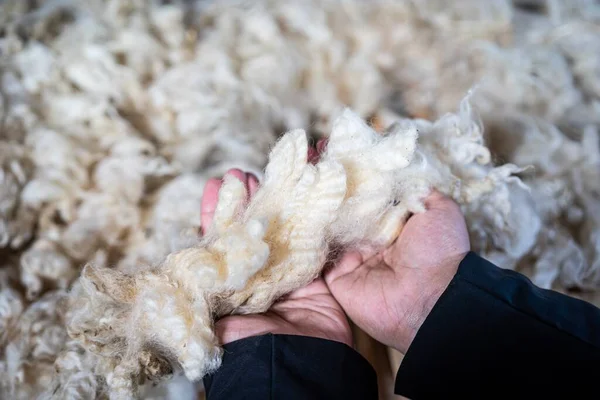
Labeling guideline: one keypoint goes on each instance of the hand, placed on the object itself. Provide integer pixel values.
(309, 311)
(389, 294)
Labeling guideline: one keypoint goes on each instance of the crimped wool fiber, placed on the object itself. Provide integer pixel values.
(113, 115)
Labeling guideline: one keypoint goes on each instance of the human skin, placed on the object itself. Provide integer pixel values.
(390, 294)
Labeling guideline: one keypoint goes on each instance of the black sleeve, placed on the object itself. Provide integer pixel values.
(494, 334)
(291, 367)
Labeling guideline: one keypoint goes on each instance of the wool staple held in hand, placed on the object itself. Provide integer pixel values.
(358, 193)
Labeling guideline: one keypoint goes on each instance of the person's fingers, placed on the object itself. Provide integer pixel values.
(252, 184)
(313, 155)
(321, 145)
(239, 174)
(210, 196)
(242, 177)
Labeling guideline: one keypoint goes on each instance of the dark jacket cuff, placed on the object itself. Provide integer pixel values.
(493, 333)
(291, 367)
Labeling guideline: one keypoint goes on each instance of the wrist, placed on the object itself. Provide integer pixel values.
(425, 298)
(416, 319)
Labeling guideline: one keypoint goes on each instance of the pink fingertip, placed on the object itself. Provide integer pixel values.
(239, 174)
(210, 196)
(253, 184)
(321, 145)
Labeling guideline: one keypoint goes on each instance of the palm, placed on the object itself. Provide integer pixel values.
(389, 294)
(309, 311)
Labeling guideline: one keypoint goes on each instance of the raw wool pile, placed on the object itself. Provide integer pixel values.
(114, 113)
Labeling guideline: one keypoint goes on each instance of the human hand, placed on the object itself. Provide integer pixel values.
(389, 294)
(309, 311)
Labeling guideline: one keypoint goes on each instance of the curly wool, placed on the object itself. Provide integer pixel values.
(16, 222)
(359, 193)
(114, 113)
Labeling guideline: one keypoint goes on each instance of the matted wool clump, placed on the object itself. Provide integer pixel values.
(152, 322)
(114, 113)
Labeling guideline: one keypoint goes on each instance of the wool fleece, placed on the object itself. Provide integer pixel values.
(114, 113)
(148, 324)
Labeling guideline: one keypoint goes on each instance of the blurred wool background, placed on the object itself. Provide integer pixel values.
(114, 113)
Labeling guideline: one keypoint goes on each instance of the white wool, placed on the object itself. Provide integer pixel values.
(32, 346)
(166, 228)
(11, 302)
(564, 187)
(74, 377)
(113, 115)
(254, 253)
(16, 221)
(44, 262)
